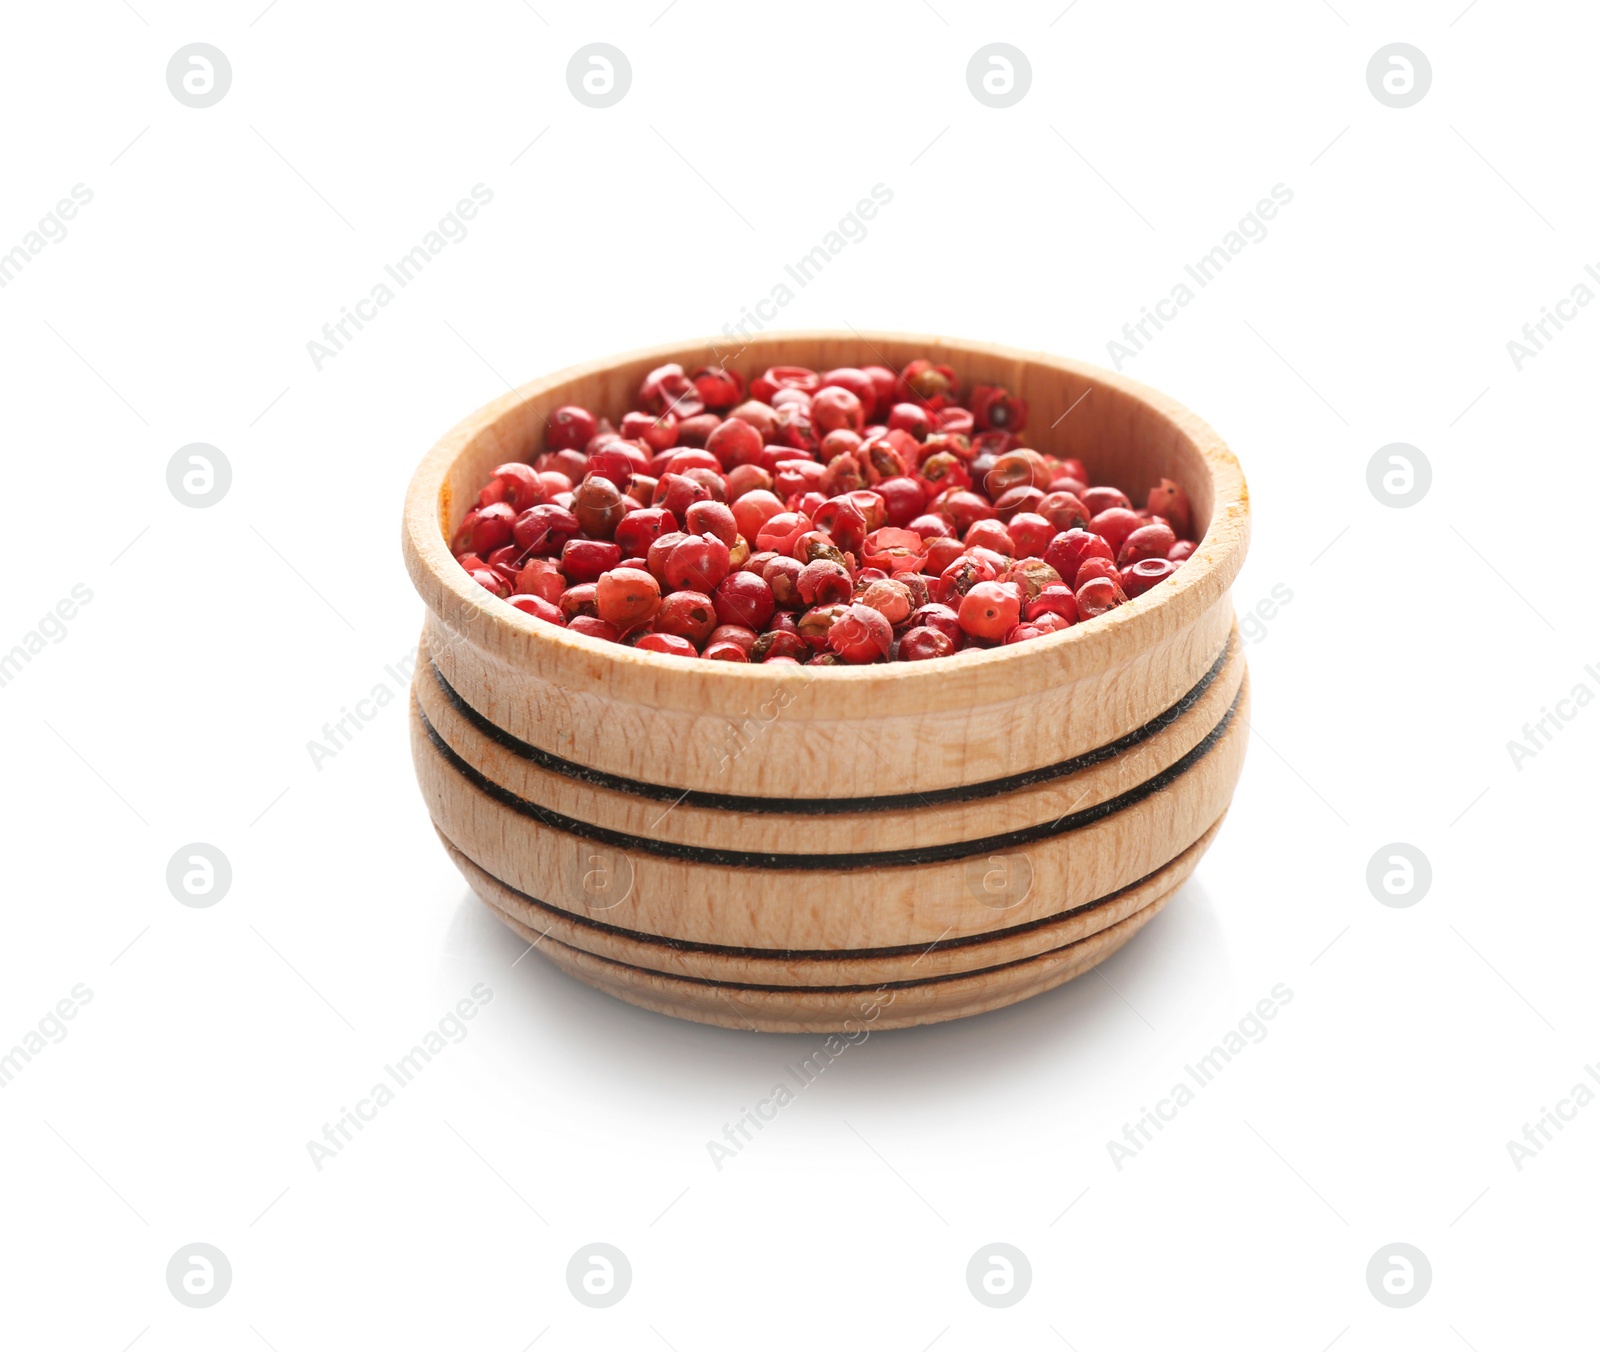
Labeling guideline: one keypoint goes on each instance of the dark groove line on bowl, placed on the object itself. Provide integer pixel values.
(960, 793)
(923, 982)
(833, 863)
(817, 954)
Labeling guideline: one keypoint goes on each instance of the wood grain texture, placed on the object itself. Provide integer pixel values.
(864, 967)
(842, 1010)
(913, 819)
(758, 846)
(842, 904)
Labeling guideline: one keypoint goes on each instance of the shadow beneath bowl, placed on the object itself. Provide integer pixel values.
(1128, 1010)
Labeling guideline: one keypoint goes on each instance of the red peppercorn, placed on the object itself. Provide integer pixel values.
(1115, 524)
(933, 385)
(723, 651)
(598, 505)
(942, 552)
(490, 580)
(1096, 568)
(626, 597)
(776, 378)
(857, 381)
(545, 529)
(538, 607)
(1139, 577)
(568, 463)
(698, 562)
(1031, 577)
(1168, 501)
(1068, 550)
(735, 442)
(696, 430)
(924, 642)
(991, 534)
(893, 600)
(585, 560)
(779, 644)
(658, 431)
(843, 519)
(515, 484)
(834, 409)
(676, 492)
(745, 599)
(639, 529)
(823, 581)
(1030, 534)
(712, 518)
(1098, 595)
(492, 528)
(1063, 510)
(1147, 542)
(913, 419)
(961, 507)
(989, 610)
(1015, 501)
(1102, 499)
(688, 614)
(594, 627)
(541, 577)
(734, 633)
(759, 414)
(993, 408)
(569, 429)
(671, 644)
(860, 634)
(718, 387)
(1056, 600)
(1184, 549)
(667, 388)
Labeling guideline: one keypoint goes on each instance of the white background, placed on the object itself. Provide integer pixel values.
(218, 642)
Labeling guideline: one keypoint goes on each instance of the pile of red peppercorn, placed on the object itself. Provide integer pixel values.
(849, 516)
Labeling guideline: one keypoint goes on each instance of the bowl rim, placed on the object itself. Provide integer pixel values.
(1081, 650)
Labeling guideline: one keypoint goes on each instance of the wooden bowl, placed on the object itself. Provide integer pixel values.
(815, 849)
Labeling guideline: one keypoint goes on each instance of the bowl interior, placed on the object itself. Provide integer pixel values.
(1126, 435)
